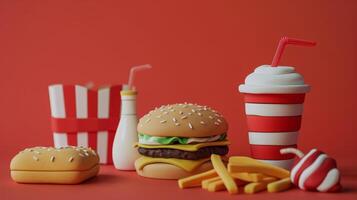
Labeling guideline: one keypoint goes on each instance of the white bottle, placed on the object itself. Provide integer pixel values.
(124, 152)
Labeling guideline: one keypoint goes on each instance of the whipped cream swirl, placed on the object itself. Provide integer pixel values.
(274, 80)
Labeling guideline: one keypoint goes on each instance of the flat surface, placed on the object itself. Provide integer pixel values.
(113, 184)
(200, 52)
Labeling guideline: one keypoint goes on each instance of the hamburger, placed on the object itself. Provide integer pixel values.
(177, 140)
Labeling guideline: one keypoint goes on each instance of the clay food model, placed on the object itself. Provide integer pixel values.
(251, 175)
(177, 140)
(65, 165)
(274, 97)
(314, 171)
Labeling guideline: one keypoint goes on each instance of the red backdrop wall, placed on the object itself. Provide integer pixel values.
(200, 51)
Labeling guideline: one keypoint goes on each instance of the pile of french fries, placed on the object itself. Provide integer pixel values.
(241, 172)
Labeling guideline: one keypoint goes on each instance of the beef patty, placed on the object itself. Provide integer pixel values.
(204, 152)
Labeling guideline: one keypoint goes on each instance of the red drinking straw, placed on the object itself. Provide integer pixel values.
(135, 69)
(285, 41)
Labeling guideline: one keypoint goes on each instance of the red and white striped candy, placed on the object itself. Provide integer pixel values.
(314, 171)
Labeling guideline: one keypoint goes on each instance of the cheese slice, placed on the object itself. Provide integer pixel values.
(187, 165)
(185, 147)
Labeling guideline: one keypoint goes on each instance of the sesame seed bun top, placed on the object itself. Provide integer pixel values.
(183, 120)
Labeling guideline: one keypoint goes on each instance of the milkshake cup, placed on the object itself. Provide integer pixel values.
(274, 97)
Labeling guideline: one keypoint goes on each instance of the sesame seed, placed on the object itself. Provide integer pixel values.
(216, 123)
(174, 119)
(159, 116)
(165, 113)
(35, 158)
(148, 120)
(210, 117)
(189, 113)
(183, 117)
(172, 110)
(219, 120)
(93, 152)
(52, 158)
(163, 121)
(70, 159)
(177, 124)
(37, 152)
(81, 155)
(199, 114)
(190, 125)
(181, 113)
(193, 110)
(85, 153)
(202, 122)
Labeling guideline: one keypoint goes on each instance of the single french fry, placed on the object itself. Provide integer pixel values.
(216, 186)
(248, 177)
(221, 170)
(206, 182)
(252, 188)
(279, 185)
(195, 180)
(246, 164)
(219, 185)
(269, 179)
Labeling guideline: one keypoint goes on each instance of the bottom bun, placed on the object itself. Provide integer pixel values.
(54, 177)
(168, 171)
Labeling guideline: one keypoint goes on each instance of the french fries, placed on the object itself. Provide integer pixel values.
(195, 180)
(249, 177)
(206, 182)
(221, 170)
(254, 176)
(280, 185)
(246, 164)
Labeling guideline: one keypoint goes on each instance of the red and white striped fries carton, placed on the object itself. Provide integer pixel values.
(85, 117)
(273, 123)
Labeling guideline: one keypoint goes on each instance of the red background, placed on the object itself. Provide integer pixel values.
(200, 52)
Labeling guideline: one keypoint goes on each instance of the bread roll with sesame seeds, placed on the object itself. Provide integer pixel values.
(183, 120)
(68, 165)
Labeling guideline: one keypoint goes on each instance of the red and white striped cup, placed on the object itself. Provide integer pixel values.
(273, 123)
(274, 98)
